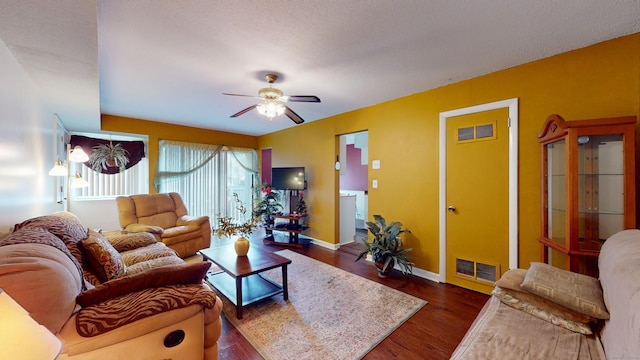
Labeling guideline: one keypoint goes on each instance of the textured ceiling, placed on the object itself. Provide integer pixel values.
(170, 61)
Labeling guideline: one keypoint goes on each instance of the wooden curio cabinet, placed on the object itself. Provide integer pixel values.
(588, 188)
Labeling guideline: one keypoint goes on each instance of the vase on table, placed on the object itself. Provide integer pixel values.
(242, 246)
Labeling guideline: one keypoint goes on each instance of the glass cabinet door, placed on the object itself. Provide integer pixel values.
(600, 189)
(556, 192)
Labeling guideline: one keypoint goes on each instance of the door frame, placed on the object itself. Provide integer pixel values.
(512, 105)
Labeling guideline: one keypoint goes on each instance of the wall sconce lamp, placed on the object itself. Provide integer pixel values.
(78, 155)
(337, 165)
(22, 337)
(77, 182)
(58, 169)
(72, 182)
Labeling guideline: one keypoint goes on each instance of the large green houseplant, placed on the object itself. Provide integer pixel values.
(385, 248)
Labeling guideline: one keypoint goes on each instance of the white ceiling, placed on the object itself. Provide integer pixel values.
(170, 61)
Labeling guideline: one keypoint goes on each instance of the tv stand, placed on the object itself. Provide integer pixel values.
(293, 227)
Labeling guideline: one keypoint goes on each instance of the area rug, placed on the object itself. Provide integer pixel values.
(331, 314)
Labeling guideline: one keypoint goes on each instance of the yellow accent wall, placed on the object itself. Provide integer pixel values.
(601, 80)
(162, 131)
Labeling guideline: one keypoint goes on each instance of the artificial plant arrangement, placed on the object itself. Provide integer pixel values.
(301, 206)
(108, 155)
(385, 249)
(268, 204)
(227, 227)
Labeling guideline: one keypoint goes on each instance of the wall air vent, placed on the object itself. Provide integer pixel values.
(476, 133)
(477, 271)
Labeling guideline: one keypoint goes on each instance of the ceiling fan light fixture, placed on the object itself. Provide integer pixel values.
(270, 93)
(271, 109)
(273, 100)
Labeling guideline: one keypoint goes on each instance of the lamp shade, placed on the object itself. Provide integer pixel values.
(78, 182)
(58, 169)
(78, 155)
(21, 336)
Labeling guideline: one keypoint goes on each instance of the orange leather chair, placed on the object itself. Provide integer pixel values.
(166, 217)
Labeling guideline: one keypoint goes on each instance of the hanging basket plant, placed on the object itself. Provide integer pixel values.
(108, 155)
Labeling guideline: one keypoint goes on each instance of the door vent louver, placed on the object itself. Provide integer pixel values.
(477, 132)
(477, 271)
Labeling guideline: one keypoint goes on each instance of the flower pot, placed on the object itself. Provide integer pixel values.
(384, 273)
(111, 163)
(242, 246)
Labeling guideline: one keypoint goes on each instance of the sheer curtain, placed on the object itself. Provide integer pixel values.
(207, 176)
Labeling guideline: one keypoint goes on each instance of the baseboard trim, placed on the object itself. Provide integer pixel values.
(324, 244)
(416, 271)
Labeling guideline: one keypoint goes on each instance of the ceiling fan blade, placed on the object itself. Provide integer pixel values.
(237, 95)
(303, 98)
(244, 111)
(293, 116)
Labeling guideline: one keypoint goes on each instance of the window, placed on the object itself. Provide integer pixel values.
(207, 176)
(134, 180)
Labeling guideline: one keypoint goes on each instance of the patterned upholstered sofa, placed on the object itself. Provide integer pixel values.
(127, 296)
(548, 313)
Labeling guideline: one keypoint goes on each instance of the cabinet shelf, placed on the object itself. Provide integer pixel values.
(292, 227)
(296, 231)
(599, 212)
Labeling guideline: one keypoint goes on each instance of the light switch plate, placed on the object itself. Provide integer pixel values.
(375, 164)
(374, 184)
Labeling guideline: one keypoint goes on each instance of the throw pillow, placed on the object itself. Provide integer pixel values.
(103, 257)
(578, 292)
(187, 273)
(531, 309)
(510, 284)
(126, 242)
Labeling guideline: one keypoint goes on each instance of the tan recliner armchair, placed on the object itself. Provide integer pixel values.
(165, 216)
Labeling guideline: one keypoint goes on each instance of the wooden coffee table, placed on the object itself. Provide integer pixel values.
(241, 280)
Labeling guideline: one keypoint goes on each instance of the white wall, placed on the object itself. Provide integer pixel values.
(26, 146)
(97, 214)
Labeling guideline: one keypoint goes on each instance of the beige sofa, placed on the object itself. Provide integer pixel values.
(165, 216)
(124, 297)
(547, 313)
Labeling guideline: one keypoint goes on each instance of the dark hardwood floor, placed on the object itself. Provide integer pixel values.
(432, 333)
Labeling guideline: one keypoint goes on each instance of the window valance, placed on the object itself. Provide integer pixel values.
(135, 150)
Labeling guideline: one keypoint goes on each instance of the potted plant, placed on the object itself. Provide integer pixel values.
(267, 205)
(301, 205)
(108, 155)
(227, 227)
(385, 249)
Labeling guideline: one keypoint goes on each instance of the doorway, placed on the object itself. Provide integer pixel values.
(478, 194)
(352, 164)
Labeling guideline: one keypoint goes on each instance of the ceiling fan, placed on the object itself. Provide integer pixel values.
(273, 102)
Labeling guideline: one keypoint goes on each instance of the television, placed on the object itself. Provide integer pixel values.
(288, 178)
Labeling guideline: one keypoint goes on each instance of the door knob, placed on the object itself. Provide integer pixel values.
(451, 208)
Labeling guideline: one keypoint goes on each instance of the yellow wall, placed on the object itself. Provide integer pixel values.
(163, 131)
(602, 80)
